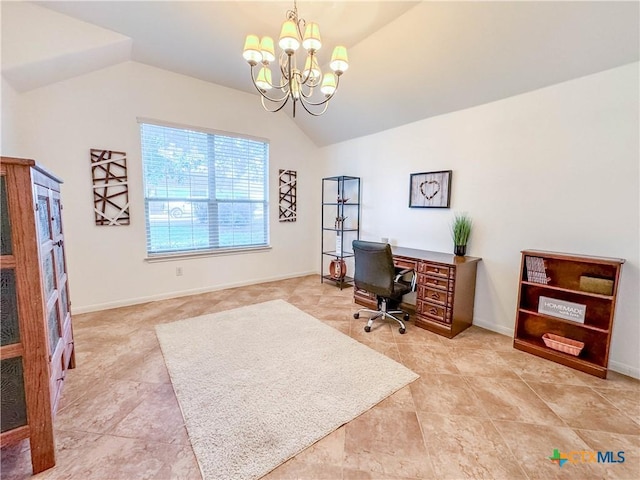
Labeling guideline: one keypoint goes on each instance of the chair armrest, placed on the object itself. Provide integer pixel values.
(402, 273)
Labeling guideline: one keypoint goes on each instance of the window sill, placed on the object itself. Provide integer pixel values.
(167, 257)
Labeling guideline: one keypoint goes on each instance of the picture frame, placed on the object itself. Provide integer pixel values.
(430, 189)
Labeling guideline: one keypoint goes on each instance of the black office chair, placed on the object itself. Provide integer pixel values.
(376, 273)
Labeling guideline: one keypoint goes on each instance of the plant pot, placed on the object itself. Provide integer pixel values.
(460, 250)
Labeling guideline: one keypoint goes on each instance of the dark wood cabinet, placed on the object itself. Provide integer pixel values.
(445, 289)
(37, 336)
(582, 292)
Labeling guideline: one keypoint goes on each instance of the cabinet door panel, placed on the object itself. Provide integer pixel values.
(6, 247)
(48, 274)
(9, 308)
(60, 263)
(56, 218)
(44, 232)
(64, 301)
(53, 325)
(57, 377)
(67, 341)
(13, 401)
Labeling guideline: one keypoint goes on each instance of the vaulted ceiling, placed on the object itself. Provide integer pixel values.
(408, 60)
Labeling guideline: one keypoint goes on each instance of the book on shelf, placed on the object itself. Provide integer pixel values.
(536, 270)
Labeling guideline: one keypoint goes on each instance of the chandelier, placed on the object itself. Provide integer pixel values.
(299, 85)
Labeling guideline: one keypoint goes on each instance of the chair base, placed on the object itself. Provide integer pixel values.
(383, 313)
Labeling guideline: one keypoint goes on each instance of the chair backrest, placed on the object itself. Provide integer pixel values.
(374, 267)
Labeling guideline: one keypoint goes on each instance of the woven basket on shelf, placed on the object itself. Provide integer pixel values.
(563, 344)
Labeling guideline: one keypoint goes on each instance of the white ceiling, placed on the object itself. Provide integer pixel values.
(408, 60)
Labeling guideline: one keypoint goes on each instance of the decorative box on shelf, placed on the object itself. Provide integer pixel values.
(563, 344)
(603, 286)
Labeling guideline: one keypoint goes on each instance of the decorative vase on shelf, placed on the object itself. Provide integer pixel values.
(460, 250)
(337, 269)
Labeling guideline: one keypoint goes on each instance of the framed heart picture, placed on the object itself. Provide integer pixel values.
(430, 189)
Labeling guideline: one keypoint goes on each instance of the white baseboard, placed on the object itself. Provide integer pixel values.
(624, 369)
(493, 327)
(183, 293)
(614, 366)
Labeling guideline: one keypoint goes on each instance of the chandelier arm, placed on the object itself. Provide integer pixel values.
(282, 63)
(315, 104)
(304, 105)
(308, 76)
(279, 87)
(264, 95)
(309, 94)
(280, 107)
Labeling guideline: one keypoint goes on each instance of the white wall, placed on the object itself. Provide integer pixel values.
(58, 124)
(8, 101)
(555, 169)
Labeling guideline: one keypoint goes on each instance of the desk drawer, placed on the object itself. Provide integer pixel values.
(441, 297)
(404, 263)
(434, 269)
(432, 311)
(364, 294)
(365, 298)
(433, 282)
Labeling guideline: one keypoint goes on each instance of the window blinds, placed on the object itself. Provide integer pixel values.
(203, 190)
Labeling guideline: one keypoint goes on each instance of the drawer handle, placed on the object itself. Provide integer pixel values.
(435, 296)
(433, 310)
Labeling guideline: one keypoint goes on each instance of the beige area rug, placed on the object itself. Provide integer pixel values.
(261, 383)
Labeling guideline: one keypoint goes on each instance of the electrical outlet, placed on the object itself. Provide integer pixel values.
(178, 271)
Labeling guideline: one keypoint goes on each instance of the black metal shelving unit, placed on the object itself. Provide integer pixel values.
(340, 226)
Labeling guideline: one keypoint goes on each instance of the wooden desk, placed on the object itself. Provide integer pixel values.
(445, 289)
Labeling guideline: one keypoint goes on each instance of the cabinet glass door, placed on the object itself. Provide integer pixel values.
(13, 407)
(5, 223)
(62, 304)
(46, 215)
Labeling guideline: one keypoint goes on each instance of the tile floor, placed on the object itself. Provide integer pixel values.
(480, 409)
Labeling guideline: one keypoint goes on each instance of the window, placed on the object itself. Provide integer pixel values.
(203, 191)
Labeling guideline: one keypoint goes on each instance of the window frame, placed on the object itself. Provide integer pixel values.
(207, 251)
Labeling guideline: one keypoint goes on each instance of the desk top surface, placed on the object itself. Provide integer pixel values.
(437, 257)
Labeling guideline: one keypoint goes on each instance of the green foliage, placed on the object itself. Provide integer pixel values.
(461, 228)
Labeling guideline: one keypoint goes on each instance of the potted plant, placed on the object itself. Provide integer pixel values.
(460, 231)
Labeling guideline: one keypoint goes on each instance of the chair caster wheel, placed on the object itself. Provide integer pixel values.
(402, 330)
(406, 317)
(356, 315)
(367, 328)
